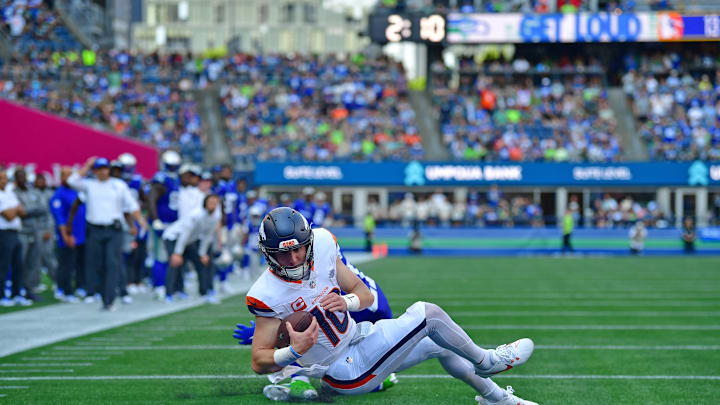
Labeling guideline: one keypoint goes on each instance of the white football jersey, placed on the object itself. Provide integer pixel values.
(271, 296)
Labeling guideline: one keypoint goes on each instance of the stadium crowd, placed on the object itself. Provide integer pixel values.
(146, 97)
(676, 100)
(518, 111)
(307, 108)
(35, 26)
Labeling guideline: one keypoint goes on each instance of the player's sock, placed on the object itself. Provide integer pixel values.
(388, 383)
(301, 378)
(447, 334)
(463, 370)
(159, 270)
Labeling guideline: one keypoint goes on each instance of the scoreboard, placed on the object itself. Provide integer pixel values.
(413, 27)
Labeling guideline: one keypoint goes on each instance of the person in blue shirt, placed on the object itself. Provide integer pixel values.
(70, 239)
(136, 261)
(255, 207)
(305, 205)
(225, 188)
(321, 210)
(163, 210)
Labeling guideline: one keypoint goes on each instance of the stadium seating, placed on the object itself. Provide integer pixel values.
(522, 112)
(147, 97)
(34, 27)
(303, 108)
(676, 100)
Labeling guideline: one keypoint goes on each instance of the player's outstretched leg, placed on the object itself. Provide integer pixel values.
(463, 370)
(447, 334)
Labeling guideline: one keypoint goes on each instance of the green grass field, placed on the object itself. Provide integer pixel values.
(608, 331)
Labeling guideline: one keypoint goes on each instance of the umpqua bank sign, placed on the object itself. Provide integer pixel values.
(417, 174)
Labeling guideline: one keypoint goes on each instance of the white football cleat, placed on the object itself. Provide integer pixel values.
(507, 356)
(508, 399)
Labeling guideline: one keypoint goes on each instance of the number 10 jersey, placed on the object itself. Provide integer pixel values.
(271, 296)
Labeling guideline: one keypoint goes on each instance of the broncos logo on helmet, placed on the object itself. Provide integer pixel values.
(282, 230)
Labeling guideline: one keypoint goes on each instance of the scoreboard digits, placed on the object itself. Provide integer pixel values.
(385, 28)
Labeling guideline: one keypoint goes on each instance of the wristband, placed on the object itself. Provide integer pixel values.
(285, 356)
(353, 302)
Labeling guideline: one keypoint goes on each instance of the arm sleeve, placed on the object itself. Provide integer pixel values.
(77, 182)
(57, 211)
(187, 225)
(206, 239)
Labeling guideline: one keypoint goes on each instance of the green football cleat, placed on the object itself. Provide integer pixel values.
(294, 390)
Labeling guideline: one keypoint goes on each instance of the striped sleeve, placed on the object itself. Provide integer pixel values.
(259, 308)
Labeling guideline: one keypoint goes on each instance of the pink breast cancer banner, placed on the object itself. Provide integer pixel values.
(31, 136)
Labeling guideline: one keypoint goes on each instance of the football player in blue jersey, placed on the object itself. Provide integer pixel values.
(163, 210)
(136, 260)
(305, 205)
(225, 188)
(321, 210)
(300, 387)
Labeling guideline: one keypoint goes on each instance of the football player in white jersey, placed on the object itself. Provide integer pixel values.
(306, 273)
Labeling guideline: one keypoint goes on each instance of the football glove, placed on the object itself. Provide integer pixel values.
(244, 333)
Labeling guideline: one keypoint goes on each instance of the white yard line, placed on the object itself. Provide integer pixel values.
(13, 387)
(626, 347)
(401, 376)
(39, 371)
(537, 347)
(160, 347)
(592, 327)
(45, 365)
(65, 358)
(472, 303)
(586, 314)
(609, 295)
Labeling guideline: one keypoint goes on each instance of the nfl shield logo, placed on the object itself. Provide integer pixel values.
(313, 284)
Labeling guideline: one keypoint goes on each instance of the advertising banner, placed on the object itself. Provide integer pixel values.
(696, 173)
(581, 27)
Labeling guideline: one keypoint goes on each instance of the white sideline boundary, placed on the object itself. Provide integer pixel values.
(80, 349)
(28, 329)
(401, 376)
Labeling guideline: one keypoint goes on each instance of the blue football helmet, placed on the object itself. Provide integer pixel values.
(283, 230)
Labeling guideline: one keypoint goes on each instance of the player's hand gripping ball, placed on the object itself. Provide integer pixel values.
(300, 321)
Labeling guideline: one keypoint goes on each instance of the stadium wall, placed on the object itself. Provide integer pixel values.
(31, 136)
(526, 241)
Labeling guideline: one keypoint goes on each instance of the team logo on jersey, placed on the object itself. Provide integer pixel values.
(349, 360)
(332, 274)
(289, 243)
(298, 305)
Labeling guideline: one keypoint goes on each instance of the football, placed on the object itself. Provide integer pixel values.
(300, 321)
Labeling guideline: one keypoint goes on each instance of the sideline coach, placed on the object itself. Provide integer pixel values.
(107, 201)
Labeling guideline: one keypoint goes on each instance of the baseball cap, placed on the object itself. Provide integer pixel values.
(101, 162)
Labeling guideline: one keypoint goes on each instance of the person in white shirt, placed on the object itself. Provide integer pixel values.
(190, 197)
(107, 201)
(637, 234)
(189, 238)
(10, 248)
